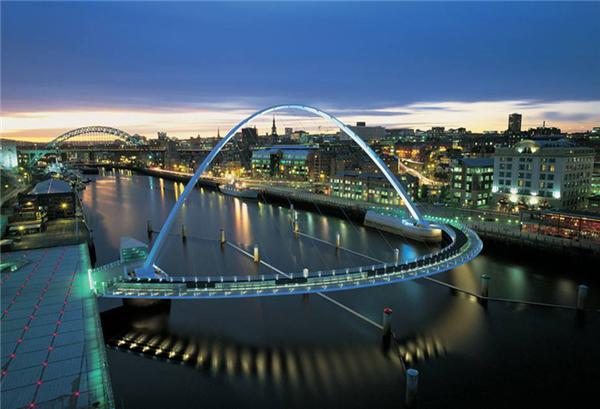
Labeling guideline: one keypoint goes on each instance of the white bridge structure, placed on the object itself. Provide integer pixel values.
(460, 245)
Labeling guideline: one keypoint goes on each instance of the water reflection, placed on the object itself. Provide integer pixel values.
(325, 351)
(329, 369)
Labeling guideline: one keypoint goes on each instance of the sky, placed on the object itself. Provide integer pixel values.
(191, 68)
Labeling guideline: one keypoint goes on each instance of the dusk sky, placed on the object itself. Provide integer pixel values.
(189, 68)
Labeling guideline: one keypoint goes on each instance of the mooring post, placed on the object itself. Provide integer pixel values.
(387, 321)
(485, 285)
(582, 291)
(305, 272)
(412, 385)
(222, 236)
(256, 254)
(338, 240)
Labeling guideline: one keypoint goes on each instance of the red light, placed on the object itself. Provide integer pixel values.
(4, 372)
(13, 355)
(76, 393)
(39, 382)
(50, 348)
(54, 334)
(45, 363)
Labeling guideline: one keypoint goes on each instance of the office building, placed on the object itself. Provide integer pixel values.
(371, 187)
(514, 123)
(471, 181)
(542, 173)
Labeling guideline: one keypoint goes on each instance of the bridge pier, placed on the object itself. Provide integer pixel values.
(150, 303)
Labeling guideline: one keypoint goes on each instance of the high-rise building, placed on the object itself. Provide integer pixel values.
(514, 123)
(542, 173)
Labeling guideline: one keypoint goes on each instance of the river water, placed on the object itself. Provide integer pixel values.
(309, 352)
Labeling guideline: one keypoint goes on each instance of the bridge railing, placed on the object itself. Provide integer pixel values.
(453, 255)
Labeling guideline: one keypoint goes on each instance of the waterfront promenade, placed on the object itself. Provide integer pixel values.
(53, 351)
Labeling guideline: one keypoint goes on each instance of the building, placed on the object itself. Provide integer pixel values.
(8, 154)
(48, 200)
(274, 128)
(471, 182)
(542, 173)
(248, 140)
(576, 225)
(367, 133)
(371, 187)
(290, 162)
(514, 123)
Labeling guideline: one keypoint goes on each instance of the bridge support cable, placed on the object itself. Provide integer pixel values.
(324, 296)
(147, 269)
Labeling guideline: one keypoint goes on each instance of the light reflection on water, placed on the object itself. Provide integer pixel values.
(288, 352)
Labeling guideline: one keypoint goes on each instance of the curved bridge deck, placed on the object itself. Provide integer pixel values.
(462, 246)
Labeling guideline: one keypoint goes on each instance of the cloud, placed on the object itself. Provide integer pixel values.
(205, 120)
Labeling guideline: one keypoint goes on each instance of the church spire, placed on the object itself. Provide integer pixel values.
(274, 127)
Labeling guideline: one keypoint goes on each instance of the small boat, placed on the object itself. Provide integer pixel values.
(238, 190)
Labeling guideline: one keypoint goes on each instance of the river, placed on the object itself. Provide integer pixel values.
(307, 352)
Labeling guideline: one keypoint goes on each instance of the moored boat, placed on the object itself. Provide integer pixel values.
(237, 189)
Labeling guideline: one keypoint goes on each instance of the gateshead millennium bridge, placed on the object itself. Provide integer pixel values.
(141, 277)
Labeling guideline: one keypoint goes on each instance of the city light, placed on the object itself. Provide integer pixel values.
(299, 205)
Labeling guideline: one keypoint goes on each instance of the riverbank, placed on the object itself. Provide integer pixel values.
(492, 232)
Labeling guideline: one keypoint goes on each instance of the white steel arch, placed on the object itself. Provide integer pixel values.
(164, 231)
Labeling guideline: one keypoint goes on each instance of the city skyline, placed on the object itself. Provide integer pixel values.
(159, 68)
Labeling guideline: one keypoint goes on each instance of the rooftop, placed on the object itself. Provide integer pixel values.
(51, 185)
